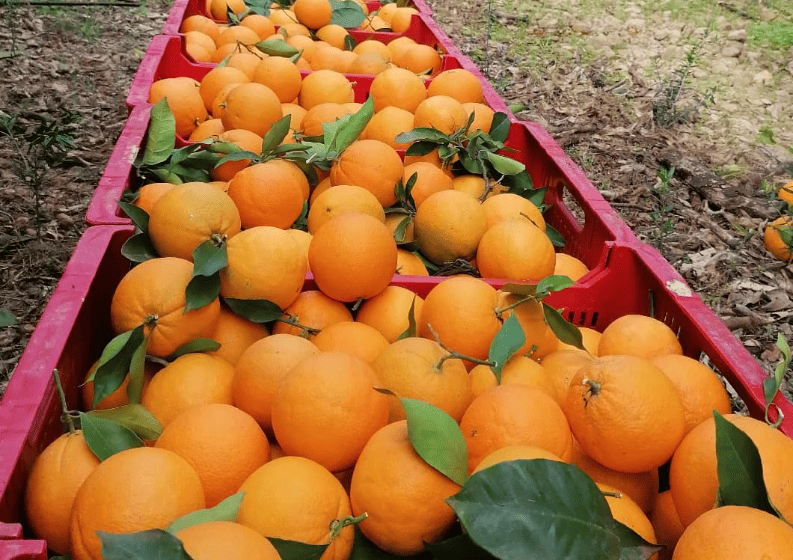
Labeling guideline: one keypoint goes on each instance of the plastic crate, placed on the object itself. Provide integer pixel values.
(23, 550)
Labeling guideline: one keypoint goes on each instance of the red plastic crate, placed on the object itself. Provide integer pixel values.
(23, 550)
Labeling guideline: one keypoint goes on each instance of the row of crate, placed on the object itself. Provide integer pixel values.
(625, 275)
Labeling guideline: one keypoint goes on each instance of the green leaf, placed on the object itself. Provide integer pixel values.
(201, 291)
(535, 510)
(138, 248)
(209, 258)
(739, 468)
(421, 148)
(346, 13)
(114, 363)
(553, 283)
(256, 310)
(504, 165)
(161, 136)
(564, 331)
(632, 546)
(7, 318)
(556, 238)
(349, 42)
(499, 128)
(194, 346)
(293, 550)
(520, 289)
(412, 330)
(276, 47)
(470, 164)
(772, 384)
(437, 439)
(422, 135)
(133, 416)
(401, 229)
(137, 374)
(516, 107)
(521, 184)
(457, 548)
(352, 126)
(508, 340)
(154, 544)
(535, 196)
(226, 510)
(105, 437)
(276, 134)
(138, 216)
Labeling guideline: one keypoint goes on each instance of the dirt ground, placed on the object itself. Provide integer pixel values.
(590, 72)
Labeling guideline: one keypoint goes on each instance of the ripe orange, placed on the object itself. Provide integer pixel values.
(786, 193)
(449, 225)
(387, 124)
(370, 164)
(251, 106)
(571, 267)
(373, 45)
(402, 19)
(343, 199)
(412, 368)
(515, 452)
(429, 179)
(118, 397)
(260, 370)
(292, 29)
(775, 242)
(627, 512)
(442, 112)
(269, 193)
(393, 220)
(325, 86)
(402, 495)
(473, 185)
(237, 35)
(296, 499)
(134, 490)
(261, 24)
(218, 9)
(202, 41)
(590, 339)
(625, 413)
(245, 61)
(352, 256)
(55, 477)
(355, 339)
(320, 114)
(409, 264)
(306, 44)
(483, 116)
(328, 57)
(303, 239)
(638, 335)
(388, 311)
(420, 59)
(506, 206)
(666, 523)
(235, 334)
(245, 139)
(333, 35)
(459, 84)
(149, 194)
(296, 112)
(200, 23)
(206, 130)
(155, 290)
(515, 249)
(397, 87)
(386, 11)
(313, 13)
(280, 75)
(315, 310)
(370, 63)
(216, 79)
(540, 338)
(281, 16)
(227, 540)
(562, 365)
(184, 100)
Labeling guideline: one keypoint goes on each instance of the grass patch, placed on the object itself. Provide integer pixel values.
(777, 35)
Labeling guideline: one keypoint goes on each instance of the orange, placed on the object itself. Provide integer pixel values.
(292, 29)
(296, 112)
(218, 9)
(370, 63)
(261, 24)
(189, 380)
(184, 100)
(269, 193)
(386, 11)
(627, 512)
(328, 57)
(638, 335)
(305, 44)
(326, 409)
(245, 61)
(224, 51)
(263, 263)
(519, 370)
(514, 452)
(282, 16)
(154, 291)
(778, 238)
(511, 415)
(134, 490)
(313, 13)
(315, 310)
(693, 479)
(333, 35)
(219, 103)
(590, 338)
(461, 311)
(343, 199)
(55, 477)
(235, 334)
(561, 366)
(442, 112)
(296, 499)
(244, 139)
(149, 194)
(190, 214)
(238, 34)
(429, 180)
(387, 124)
(473, 185)
(666, 523)
(352, 256)
(260, 370)
(397, 87)
(118, 397)
(200, 23)
(355, 339)
(320, 114)
(786, 193)
(325, 86)
(515, 249)
(280, 75)
(227, 540)
(699, 387)
(393, 220)
(420, 369)
(251, 106)
(398, 46)
(303, 239)
(569, 266)
(459, 84)
(409, 264)
(373, 45)
(735, 532)
(370, 164)
(420, 59)
(506, 206)
(483, 116)
(206, 130)
(625, 413)
(388, 311)
(449, 225)
(204, 43)
(402, 19)
(403, 496)
(540, 338)
(482, 379)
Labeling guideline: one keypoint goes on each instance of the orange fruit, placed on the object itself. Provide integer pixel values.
(449, 225)
(219, 103)
(292, 29)
(352, 256)
(333, 35)
(693, 479)
(540, 338)
(328, 57)
(185, 101)
(569, 266)
(263, 263)
(402, 19)
(399, 46)
(134, 490)
(735, 532)
(245, 61)
(260, 370)
(320, 114)
(280, 75)
(200, 23)
(118, 397)
(303, 239)
(561, 366)
(387, 124)
(313, 13)
(238, 35)
(386, 11)
(625, 413)
(666, 523)
(206, 130)
(343, 199)
(515, 452)
(149, 194)
(235, 334)
(281, 16)
(55, 477)
(296, 499)
(393, 221)
(483, 116)
(218, 9)
(638, 335)
(473, 185)
(507, 206)
(244, 139)
(190, 380)
(373, 45)
(778, 238)
(305, 44)
(420, 369)
(397, 87)
(786, 193)
(269, 193)
(190, 214)
(459, 84)
(315, 310)
(198, 52)
(370, 63)
(224, 51)
(296, 113)
(326, 409)
(388, 311)
(627, 512)
(409, 264)
(403, 496)
(442, 112)
(227, 540)
(420, 59)
(590, 338)
(325, 86)
(370, 164)
(154, 291)
(251, 106)
(201, 40)
(261, 24)
(355, 339)
(515, 249)
(429, 180)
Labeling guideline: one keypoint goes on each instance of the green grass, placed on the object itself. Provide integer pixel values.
(777, 35)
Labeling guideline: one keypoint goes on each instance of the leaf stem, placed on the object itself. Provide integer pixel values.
(291, 320)
(454, 353)
(337, 525)
(67, 416)
(500, 310)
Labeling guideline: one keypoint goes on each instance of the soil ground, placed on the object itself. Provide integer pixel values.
(594, 73)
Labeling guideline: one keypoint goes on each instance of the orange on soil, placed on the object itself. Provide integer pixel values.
(515, 249)
(343, 199)
(638, 335)
(260, 370)
(355, 339)
(387, 124)
(149, 194)
(442, 112)
(397, 87)
(429, 180)
(515, 452)
(269, 194)
(388, 311)
(507, 206)
(778, 238)
(370, 164)
(315, 310)
(352, 256)
(569, 266)
(403, 495)
(235, 334)
(409, 264)
(326, 409)
(55, 477)
(280, 75)
(325, 86)
(413, 368)
(628, 512)
(261, 24)
(786, 193)
(185, 101)
(206, 130)
(251, 106)
(625, 413)
(200, 23)
(294, 498)
(134, 490)
(666, 523)
(449, 225)
(156, 288)
(263, 263)
(227, 540)
(514, 415)
(244, 139)
(693, 478)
